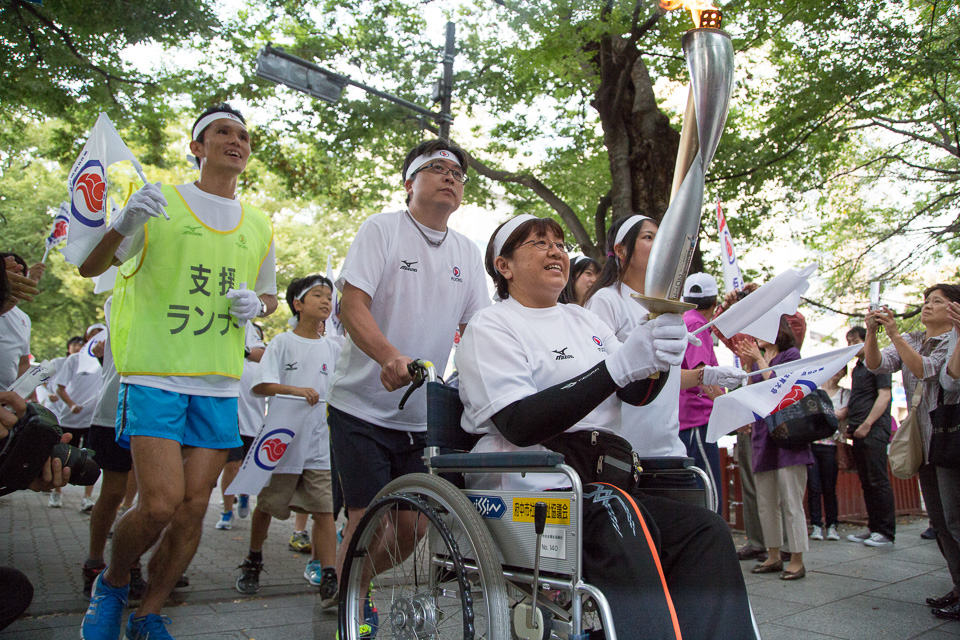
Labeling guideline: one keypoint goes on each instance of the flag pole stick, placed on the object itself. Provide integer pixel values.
(139, 169)
(43, 260)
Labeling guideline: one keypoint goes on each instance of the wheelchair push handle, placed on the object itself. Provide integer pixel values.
(422, 371)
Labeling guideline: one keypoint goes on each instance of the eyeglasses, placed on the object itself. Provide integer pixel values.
(543, 245)
(441, 170)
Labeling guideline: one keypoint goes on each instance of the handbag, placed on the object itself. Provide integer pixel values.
(807, 420)
(906, 448)
(845, 460)
(945, 436)
(598, 456)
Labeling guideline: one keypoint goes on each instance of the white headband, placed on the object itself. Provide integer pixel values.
(319, 281)
(631, 222)
(207, 120)
(95, 325)
(421, 160)
(508, 228)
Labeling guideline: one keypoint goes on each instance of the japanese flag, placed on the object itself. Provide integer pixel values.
(87, 185)
(790, 382)
(282, 444)
(732, 277)
(58, 232)
(758, 314)
(333, 325)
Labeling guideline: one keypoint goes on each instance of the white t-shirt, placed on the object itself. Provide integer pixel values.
(105, 414)
(510, 352)
(420, 294)
(221, 214)
(302, 362)
(654, 429)
(250, 407)
(82, 378)
(14, 344)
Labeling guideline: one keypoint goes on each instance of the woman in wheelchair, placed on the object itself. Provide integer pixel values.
(535, 374)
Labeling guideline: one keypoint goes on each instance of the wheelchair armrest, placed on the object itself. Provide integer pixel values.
(492, 460)
(675, 463)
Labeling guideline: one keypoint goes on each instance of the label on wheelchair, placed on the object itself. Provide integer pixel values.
(491, 507)
(558, 511)
(553, 543)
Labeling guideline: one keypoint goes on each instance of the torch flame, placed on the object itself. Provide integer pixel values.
(695, 7)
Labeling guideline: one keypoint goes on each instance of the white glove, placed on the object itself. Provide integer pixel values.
(670, 339)
(146, 203)
(635, 359)
(244, 304)
(729, 377)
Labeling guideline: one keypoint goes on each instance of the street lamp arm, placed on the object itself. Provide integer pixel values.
(533, 183)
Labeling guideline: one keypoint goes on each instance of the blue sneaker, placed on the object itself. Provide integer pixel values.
(103, 617)
(243, 505)
(148, 627)
(226, 521)
(314, 572)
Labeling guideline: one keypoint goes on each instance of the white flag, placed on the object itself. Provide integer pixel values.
(87, 185)
(284, 441)
(732, 277)
(790, 382)
(759, 313)
(333, 325)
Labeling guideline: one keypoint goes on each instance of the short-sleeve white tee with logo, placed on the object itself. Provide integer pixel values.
(510, 352)
(654, 429)
(420, 294)
(82, 377)
(14, 344)
(302, 362)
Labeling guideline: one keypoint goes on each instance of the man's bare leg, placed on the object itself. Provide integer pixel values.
(112, 489)
(201, 468)
(400, 532)
(159, 467)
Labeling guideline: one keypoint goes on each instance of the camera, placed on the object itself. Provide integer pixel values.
(34, 438)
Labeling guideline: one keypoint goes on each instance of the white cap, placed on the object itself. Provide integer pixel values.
(700, 285)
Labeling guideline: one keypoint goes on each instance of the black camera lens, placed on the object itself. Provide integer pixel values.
(84, 471)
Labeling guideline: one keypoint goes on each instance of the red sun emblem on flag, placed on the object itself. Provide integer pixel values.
(729, 249)
(272, 447)
(88, 193)
(60, 228)
(796, 393)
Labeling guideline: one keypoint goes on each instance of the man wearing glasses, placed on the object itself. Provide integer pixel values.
(407, 284)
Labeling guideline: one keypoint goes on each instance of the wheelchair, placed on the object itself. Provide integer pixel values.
(495, 565)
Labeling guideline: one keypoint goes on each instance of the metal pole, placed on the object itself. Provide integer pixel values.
(446, 90)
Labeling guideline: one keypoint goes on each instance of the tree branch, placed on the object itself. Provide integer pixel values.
(533, 183)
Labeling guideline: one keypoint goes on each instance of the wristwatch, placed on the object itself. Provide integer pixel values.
(263, 308)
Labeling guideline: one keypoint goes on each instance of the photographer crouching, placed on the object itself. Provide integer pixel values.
(16, 592)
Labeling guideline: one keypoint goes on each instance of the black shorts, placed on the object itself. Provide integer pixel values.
(108, 454)
(239, 453)
(367, 457)
(79, 438)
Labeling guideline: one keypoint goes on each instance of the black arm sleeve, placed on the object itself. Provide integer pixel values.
(543, 415)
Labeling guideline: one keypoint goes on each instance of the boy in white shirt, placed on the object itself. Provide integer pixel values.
(299, 363)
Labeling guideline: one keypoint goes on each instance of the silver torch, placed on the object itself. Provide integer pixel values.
(709, 54)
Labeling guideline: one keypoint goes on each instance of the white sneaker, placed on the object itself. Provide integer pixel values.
(86, 505)
(858, 537)
(832, 533)
(226, 521)
(817, 533)
(878, 540)
(55, 501)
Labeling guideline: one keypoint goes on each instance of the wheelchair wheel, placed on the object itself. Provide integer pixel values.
(449, 584)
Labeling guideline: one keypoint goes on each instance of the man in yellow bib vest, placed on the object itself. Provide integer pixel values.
(187, 254)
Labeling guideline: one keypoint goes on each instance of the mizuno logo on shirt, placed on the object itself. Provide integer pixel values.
(562, 354)
(408, 265)
(291, 366)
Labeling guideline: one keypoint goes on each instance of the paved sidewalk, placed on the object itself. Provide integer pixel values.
(851, 591)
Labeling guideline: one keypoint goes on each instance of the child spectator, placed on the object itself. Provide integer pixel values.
(299, 363)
